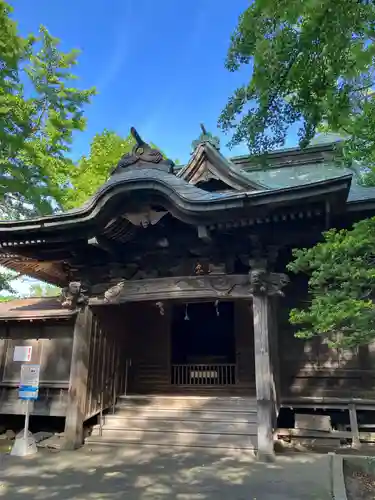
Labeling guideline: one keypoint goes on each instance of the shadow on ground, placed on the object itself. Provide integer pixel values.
(142, 473)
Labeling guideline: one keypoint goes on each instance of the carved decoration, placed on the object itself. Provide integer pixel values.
(114, 292)
(143, 153)
(198, 270)
(263, 282)
(186, 287)
(145, 218)
(74, 295)
(206, 137)
(160, 306)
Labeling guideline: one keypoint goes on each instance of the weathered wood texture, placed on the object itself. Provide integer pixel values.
(226, 286)
(51, 343)
(79, 372)
(150, 349)
(311, 369)
(244, 339)
(274, 351)
(109, 349)
(265, 385)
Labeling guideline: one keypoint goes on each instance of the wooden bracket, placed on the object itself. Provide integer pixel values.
(204, 234)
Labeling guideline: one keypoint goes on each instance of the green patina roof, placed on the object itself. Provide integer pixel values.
(288, 176)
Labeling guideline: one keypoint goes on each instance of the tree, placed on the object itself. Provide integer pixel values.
(15, 110)
(40, 109)
(44, 290)
(93, 171)
(312, 63)
(341, 286)
(36, 141)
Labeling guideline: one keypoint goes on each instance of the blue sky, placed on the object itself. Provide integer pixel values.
(157, 65)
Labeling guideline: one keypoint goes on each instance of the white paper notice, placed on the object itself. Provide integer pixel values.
(22, 353)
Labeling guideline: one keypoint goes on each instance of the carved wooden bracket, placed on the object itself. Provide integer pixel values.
(263, 282)
(75, 295)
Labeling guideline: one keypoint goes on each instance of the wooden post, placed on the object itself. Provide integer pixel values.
(263, 286)
(356, 443)
(274, 350)
(263, 377)
(78, 380)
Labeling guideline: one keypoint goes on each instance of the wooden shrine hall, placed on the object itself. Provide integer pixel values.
(174, 284)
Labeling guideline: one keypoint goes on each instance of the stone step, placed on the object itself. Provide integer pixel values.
(118, 437)
(181, 425)
(184, 414)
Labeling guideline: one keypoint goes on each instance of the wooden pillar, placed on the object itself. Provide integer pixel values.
(274, 348)
(79, 369)
(263, 377)
(264, 286)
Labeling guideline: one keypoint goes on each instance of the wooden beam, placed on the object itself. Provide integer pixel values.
(367, 437)
(263, 377)
(224, 287)
(79, 369)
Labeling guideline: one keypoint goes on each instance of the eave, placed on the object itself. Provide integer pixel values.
(186, 202)
(22, 241)
(34, 309)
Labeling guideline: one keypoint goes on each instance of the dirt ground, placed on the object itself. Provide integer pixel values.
(360, 485)
(155, 473)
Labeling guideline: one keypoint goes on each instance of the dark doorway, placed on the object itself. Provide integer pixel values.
(203, 332)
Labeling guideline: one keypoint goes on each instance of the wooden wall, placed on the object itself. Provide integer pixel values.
(244, 339)
(109, 349)
(150, 349)
(51, 341)
(309, 368)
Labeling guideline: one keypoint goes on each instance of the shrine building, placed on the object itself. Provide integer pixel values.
(176, 297)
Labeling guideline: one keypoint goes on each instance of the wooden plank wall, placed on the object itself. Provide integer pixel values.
(309, 368)
(244, 339)
(109, 349)
(52, 349)
(150, 349)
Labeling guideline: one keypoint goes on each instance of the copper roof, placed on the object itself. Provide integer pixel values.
(33, 308)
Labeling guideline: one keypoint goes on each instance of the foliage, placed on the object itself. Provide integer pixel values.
(6, 298)
(312, 64)
(93, 170)
(341, 286)
(44, 290)
(40, 109)
(6, 278)
(37, 125)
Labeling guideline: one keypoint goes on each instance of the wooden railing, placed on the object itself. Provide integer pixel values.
(204, 374)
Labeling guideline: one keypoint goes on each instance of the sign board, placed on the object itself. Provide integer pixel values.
(29, 382)
(22, 353)
(28, 393)
(30, 375)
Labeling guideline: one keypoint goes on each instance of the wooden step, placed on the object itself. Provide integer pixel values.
(234, 403)
(172, 438)
(185, 414)
(241, 426)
